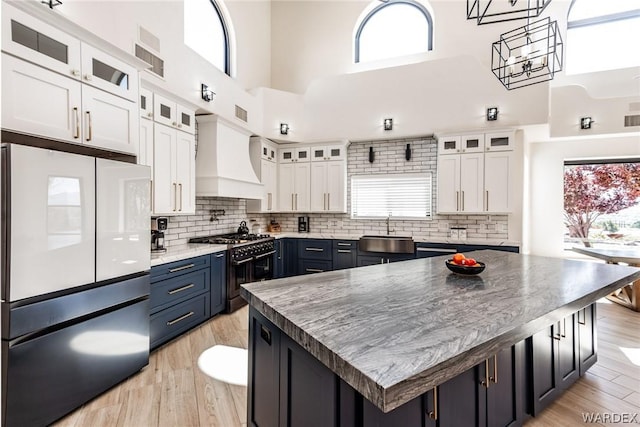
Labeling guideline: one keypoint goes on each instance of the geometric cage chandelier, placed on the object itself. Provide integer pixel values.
(490, 11)
(528, 55)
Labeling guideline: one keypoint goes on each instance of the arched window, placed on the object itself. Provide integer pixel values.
(394, 28)
(602, 35)
(205, 31)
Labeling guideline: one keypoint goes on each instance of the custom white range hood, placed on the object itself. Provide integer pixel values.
(223, 165)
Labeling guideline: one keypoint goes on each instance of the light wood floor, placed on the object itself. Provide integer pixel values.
(172, 391)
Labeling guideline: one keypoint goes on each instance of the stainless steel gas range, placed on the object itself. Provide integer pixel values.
(250, 259)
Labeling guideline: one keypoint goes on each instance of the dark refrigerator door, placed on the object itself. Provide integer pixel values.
(50, 375)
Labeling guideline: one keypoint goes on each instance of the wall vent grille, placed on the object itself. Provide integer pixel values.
(148, 38)
(156, 63)
(241, 113)
(630, 121)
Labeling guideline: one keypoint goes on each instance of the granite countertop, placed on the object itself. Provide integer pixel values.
(626, 255)
(190, 250)
(394, 331)
(419, 239)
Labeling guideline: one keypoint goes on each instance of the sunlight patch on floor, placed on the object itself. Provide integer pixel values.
(224, 363)
(633, 354)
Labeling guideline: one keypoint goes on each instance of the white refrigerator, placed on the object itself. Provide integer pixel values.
(75, 279)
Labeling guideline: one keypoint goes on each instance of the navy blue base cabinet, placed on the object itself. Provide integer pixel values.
(289, 387)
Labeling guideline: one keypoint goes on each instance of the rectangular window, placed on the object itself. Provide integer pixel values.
(398, 195)
(601, 203)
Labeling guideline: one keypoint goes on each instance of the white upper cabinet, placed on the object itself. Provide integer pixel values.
(294, 187)
(40, 43)
(170, 113)
(264, 156)
(60, 88)
(500, 141)
(472, 143)
(268, 151)
(294, 154)
(173, 186)
(329, 152)
(145, 148)
(328, 187)
(40, 102)
(475, 172)
(497, 181)
(449, 145)
(461, 183)
(109, 121)
(109, 74)
(146, 103)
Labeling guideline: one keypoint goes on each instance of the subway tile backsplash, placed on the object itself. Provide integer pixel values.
(389, 158)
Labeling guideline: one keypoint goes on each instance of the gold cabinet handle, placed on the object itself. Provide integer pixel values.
(269, 199)
(486, 381)
(151, 191)
(184, 288)
(88, 113)
(462, 201)
(434, 414)
(457, 200)
(344, 251)
(296, 201)
(292, 201)
(314, 249)
(494, 378)
(77, 117)
(175, 196)
(179, 319)
(180, 186)
(328, 201)
(487, 197)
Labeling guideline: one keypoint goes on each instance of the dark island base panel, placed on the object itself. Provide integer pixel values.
(289, 387)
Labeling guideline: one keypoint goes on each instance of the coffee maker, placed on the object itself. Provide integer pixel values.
(158, 226)
(303, 224)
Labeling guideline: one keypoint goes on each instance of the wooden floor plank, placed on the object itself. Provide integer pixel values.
(173, 391)
(178, 405)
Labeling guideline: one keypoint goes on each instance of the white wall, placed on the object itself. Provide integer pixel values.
(544, 229)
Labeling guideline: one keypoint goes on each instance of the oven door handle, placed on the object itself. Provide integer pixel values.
(264, 255)
(244, 261)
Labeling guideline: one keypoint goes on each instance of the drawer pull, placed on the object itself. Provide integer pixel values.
(265, 255)
(314, 270)
(422, 249)
(220, 255)
(181, 318)
(344, 251)
(184, 288)
(344, 244)
(314, 249)
(434, 414)
(265, 334)
(184, 267)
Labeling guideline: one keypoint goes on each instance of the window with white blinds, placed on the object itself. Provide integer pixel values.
(398, 195)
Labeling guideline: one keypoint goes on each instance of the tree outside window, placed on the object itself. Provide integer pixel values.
(602, 203)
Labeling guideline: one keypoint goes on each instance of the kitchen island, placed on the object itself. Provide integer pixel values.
(375, 345)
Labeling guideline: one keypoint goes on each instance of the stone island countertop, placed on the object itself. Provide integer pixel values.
(393, 331)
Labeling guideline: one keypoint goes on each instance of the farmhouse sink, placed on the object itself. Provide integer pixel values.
(388, 244)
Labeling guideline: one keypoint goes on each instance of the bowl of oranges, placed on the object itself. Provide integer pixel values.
(460, 264)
